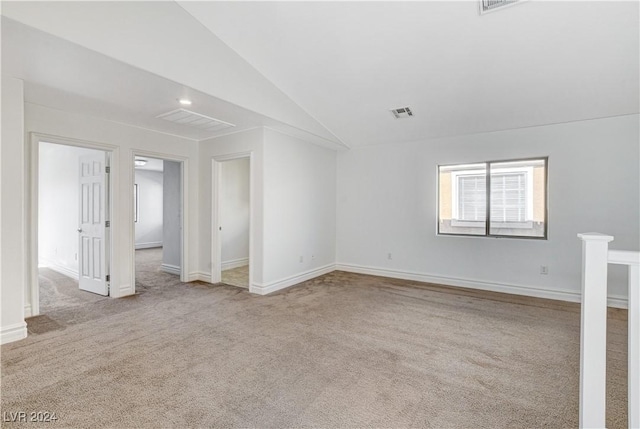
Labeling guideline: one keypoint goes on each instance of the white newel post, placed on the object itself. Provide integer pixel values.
(593, 329)
(634, 346)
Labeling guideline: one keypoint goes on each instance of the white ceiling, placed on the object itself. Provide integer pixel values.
(153, 164)
(66, 76)
(329, 72)
(158, 37)
(348, 63)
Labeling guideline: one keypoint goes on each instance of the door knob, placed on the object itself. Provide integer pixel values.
(79, 229)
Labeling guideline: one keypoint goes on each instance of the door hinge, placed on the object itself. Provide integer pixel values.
(108, 277)
(108, 169)
(107, 223)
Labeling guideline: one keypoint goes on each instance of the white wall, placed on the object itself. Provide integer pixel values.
(387, 204)
(234, 212)
(58, 206)
(14, 239)
(172, 217)
(124, 140)
(149, 224)
(299, 209)
(246, 141)
(293, 193)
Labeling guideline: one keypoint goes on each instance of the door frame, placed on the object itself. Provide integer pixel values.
(216, 242)
(184, 210)
(32, 304)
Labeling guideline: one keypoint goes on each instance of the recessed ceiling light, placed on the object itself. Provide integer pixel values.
(139, 162)
(185, 102)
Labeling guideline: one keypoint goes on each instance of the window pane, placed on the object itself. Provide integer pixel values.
(518, 198)
(463, 199)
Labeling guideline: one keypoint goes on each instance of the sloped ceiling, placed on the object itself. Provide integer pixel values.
(329, 72)
(162, 39)
(347, 64)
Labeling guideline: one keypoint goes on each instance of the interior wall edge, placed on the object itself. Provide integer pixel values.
(13, 332)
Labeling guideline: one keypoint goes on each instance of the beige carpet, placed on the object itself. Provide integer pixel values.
(236, 277)
(342, 350)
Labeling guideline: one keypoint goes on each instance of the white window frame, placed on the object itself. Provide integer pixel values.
(455, 213)
(527, 223)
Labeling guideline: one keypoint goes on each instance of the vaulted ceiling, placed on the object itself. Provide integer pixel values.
(331, 71)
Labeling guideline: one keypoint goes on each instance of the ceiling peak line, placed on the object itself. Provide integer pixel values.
(338, 139)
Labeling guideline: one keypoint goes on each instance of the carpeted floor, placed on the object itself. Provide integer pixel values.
(342, 350)
(237, 277)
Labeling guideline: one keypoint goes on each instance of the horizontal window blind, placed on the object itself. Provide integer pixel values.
(472, 198)
(509, 197)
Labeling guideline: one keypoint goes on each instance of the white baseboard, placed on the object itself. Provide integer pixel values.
(234, 263)
(200, 276)
(59, 268)
(557, 294)
(148, 245)
(12, 333)
(27, 311)
(264, 289)
(617, 301)
(171, 269)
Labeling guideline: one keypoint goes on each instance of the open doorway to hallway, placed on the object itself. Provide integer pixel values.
(234, 190)
(72, 233)
(158, 221)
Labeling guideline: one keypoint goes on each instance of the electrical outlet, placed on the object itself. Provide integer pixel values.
(544, 270)
(389, 256)
(313, 257)
(301, 259)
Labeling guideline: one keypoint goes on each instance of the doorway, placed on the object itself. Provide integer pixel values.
(232, 221)
(157, 217)
(71, 241)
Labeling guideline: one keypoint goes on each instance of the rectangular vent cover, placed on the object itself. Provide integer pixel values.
(490, 5)
(402, 112)
(196, 120)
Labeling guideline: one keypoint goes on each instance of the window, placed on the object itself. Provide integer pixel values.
(514, 197)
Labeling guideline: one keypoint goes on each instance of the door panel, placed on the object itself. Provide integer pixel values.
(92, 229)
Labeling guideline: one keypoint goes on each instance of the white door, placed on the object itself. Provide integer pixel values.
(92, 229)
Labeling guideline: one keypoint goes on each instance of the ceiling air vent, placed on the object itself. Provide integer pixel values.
(196, 120)
(402, 112)
(491, 5)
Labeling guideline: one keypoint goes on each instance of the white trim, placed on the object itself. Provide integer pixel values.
(216, 241)
(200, 276)
(60, 269)
(184, 212)
(149, 245)
(234, 263)
(557, 294)
(264, 289)
(455, 174)
(624, 257)
(27, 311)
(526, 170)
(12, 333)
(124, 290)
(171, 269)
(113, 155)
